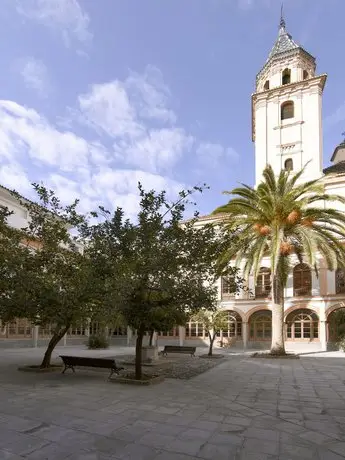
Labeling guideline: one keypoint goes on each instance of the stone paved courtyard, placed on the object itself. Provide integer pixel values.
(244, 408)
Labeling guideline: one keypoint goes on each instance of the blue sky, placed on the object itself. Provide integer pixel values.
(98, 94)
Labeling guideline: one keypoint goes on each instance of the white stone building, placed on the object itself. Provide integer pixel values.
(287, 132)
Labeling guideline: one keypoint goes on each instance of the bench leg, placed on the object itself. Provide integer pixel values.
(68, 366)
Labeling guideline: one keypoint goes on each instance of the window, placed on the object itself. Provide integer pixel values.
(172, 333)
(261, 326)
(194, 329)
(286, 77)
(301, 280)
(263, 283)
(234, 326)
(287, 110)
(228, 286)
(20, 327)
(305, 75)
(267, 85)
(302, 325)
(340, 281)
(288, 165)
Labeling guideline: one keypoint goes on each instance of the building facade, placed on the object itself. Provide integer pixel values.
(287, 132)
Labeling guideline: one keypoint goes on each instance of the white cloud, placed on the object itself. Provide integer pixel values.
(64, 16)
(157, 150)
(24, 129)
(107, 108)
(35, 75)
(76, 168)
(137, 140)
(213, 155)
(125, 111)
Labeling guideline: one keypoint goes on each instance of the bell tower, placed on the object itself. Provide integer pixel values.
(287, 110)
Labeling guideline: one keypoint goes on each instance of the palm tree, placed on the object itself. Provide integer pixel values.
(282, 219)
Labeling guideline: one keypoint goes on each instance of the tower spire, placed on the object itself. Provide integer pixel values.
(282, 20)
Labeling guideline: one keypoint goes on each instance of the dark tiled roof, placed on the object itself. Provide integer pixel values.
(283, 44)
(338, 147)
(337, 168)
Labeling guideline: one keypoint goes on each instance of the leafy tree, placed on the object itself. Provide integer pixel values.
(159, 269)
(283, 219)
(54, 286)
(213, 322)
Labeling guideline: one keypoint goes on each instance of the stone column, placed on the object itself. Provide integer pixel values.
(323, 335)
(315, 284)
(129, 336)
(87, 328)
(35, 332)
(245, 335)
(181, 335)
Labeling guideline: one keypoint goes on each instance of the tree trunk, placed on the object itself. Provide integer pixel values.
(151, 338)
(138, 350)
(212, 338)
(57, 336)
(278, 342)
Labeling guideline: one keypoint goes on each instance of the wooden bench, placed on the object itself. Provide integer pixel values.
(104, 363)
(178, 349)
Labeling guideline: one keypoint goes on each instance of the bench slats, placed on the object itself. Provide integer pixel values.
(179, 349)
(104, 363)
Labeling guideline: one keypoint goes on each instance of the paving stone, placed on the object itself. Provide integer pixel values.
(298, 451)
(156, 439)
(187, 447)
(267, 435)
(229, 439)
(315, 437)
(22, 444)
(138, 452)
(337, 447)
(328, 455)
(192, 433)
(264, 447)
(53, 451)
(173, 456)
(217, 452)
(5, 455)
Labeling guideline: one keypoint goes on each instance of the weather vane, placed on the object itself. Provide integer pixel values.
(282, 21)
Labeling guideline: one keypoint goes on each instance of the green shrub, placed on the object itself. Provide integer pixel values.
(97, 342)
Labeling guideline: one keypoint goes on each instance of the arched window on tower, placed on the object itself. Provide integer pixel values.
(288, 165)
(286, 77)
(287, 110)
(267, 85)
(305, 75)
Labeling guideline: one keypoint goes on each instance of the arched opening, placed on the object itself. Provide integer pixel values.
(263, 283)
(286, 77)
(288, 165)
(305, 75)
(336, 325)
(260, 326)
(228, 286)
(287, 110)
(302, 324)
(234, 328)
(267, 85)
(340, 281)
(301, 280)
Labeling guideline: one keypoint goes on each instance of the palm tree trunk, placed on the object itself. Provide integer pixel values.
(278, 343)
